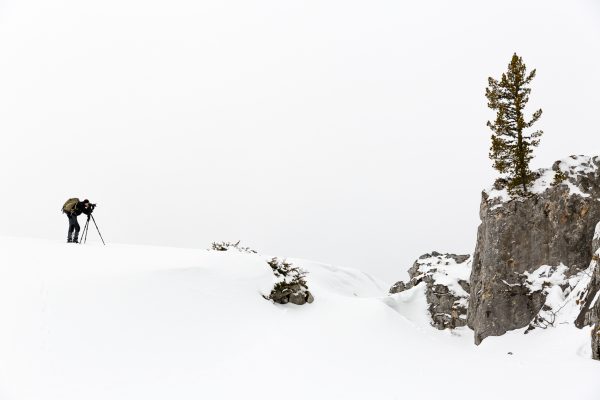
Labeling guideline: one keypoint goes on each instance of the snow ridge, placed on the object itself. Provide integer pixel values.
(138, 322)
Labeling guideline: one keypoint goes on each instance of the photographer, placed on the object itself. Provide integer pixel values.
(73, 208)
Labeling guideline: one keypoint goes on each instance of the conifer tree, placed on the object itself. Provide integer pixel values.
(512, 148)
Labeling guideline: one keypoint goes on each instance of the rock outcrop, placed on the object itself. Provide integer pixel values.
(562, 294)
(590, 313)
(589, 296)
(553, 227)
(446, 287)
(590, 310)
(289, 283)
(596, 342)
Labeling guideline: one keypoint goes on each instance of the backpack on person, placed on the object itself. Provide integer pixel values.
(70, 205)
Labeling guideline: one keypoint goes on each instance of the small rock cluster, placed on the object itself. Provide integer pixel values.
(290, 283)
(446, 278)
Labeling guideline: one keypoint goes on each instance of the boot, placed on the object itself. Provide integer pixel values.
(75, 240)
(69, 240)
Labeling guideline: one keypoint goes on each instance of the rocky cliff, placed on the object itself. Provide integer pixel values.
(588, 298)
(528, 245)
(591, 310)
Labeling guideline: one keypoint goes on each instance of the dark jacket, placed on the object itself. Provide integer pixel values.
(78, 209)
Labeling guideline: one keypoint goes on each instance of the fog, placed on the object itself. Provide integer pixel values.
(346, 132)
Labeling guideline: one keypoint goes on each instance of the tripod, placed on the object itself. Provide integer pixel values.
(86, 229)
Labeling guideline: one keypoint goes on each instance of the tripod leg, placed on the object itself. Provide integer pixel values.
(87, 226)
(84, 232)
(98, 229)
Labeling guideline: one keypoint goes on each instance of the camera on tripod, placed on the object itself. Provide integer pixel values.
(89, 210)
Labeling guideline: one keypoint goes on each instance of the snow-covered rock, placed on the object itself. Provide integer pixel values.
(553, 227)
(576, 172)
(446, 287)
(588, 297)
(561, 294)
(290, 284)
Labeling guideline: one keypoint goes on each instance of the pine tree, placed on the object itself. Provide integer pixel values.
(511, 148)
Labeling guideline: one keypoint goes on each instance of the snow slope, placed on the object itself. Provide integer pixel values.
(133, 322)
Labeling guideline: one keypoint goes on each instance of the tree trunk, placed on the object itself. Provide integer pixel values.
(523, 172)
(520, 148)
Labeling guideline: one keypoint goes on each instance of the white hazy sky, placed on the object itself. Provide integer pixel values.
(349, 132)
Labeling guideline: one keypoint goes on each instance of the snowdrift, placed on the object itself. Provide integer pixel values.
(133, 322)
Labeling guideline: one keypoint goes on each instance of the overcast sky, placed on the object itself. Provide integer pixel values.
(349, 132)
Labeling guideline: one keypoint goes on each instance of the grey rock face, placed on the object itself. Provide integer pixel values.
(590, 305)
(596, 342)
(553, 226)
(446, 287)
(297, 298)
(590, 311)
(399, 287)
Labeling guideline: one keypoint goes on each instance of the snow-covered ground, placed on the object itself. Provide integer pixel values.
(131, 322)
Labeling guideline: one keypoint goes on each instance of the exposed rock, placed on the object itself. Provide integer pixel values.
(297, 298)
(596, 239)
(446, 287)
(517, 236)
(588, 298)
(560, 294)
(596, 342)
(398, 287)
(290, 283)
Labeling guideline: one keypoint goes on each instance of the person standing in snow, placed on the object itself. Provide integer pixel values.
(73, 208)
